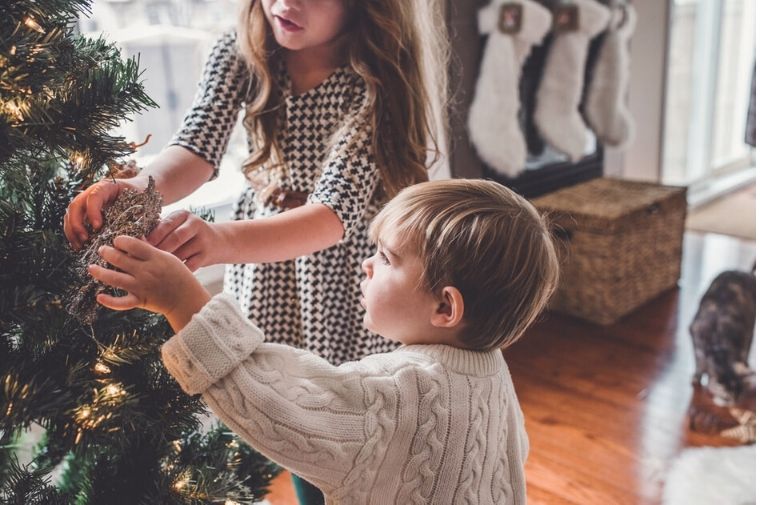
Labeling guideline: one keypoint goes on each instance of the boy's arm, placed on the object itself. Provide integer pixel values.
(320, 421)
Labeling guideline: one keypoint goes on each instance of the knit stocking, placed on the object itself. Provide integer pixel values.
(606, 111)
(513, 28)
(559, 94)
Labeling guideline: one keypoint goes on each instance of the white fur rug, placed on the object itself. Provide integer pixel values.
(710, 476)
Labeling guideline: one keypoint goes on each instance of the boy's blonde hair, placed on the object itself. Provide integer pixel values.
(485, 240)
(400, 50)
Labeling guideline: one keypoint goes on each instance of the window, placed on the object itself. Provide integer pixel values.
(711, 61)
(172, 38)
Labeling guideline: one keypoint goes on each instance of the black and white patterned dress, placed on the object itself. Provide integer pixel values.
(313, 301)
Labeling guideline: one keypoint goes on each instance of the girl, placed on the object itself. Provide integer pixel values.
(340, 111)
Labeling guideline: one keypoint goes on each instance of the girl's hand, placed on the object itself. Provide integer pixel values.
(189, 238)
(89, 205)
(154, 280)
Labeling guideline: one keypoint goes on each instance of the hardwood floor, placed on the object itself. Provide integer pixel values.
(605, 407)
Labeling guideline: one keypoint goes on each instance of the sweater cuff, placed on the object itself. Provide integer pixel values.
(215, 341)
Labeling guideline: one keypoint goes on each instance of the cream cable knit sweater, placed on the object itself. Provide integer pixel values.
(424, 424)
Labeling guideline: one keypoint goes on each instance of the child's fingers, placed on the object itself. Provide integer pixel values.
(180, 236)
(129, 301)
(188, 249)
(100, 194)
(134, 247)
(194, 262)
(111, 277)
(166, 227)
(73, 224)
(119, 259)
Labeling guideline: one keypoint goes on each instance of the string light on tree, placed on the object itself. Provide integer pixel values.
(34, 25)
(60, 95)
(114, 391)
(182, 482)
(102, 368)
(16, 109)
(78, 159)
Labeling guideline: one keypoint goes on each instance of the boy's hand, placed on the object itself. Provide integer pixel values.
(88, 206)
(189, 238)
(153, 279)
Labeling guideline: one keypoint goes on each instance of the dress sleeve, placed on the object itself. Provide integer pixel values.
(318, 420)
(349, 173)
(208, 124)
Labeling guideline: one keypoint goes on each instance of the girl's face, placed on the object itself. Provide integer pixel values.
(303, 24)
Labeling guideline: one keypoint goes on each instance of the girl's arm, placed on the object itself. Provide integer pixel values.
(194, 153)
(334, 209)
(177, 171)
(336, 206)
(296, 232)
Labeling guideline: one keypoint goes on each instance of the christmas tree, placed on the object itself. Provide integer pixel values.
(117, 428)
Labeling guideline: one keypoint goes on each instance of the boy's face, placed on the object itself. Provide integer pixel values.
(396, 305)
(303, 24)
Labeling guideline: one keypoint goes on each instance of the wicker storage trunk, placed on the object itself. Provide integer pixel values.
(620, 245)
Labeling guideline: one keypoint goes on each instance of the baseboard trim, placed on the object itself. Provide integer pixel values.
(708, 190)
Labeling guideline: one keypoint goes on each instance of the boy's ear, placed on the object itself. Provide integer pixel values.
(450, 310)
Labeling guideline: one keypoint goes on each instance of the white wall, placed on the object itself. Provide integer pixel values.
(642, 159)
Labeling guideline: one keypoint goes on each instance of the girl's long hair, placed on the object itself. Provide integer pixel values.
(400, 50)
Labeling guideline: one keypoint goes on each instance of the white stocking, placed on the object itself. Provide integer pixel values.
(493, 120)
(605, 109)
(559, 94)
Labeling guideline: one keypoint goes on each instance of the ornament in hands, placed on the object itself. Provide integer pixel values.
(133, 213)
(559, 94)
(152, 279)
(513, 28)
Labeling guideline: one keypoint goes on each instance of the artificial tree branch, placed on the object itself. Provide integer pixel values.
(133, 213)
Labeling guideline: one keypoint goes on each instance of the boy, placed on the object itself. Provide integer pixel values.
(462, 268)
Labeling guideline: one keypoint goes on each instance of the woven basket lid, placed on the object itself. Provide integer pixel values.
(601, 203)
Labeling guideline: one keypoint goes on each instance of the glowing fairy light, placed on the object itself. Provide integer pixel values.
(102, 368)
(109, 355)
(78, 159)
(15, 110)
(84, 414)
(114, 390)
(183, 482)
(177, 445)
(32, 24)
(230, 502)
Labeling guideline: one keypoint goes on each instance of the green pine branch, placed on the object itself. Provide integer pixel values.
(112, 414)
